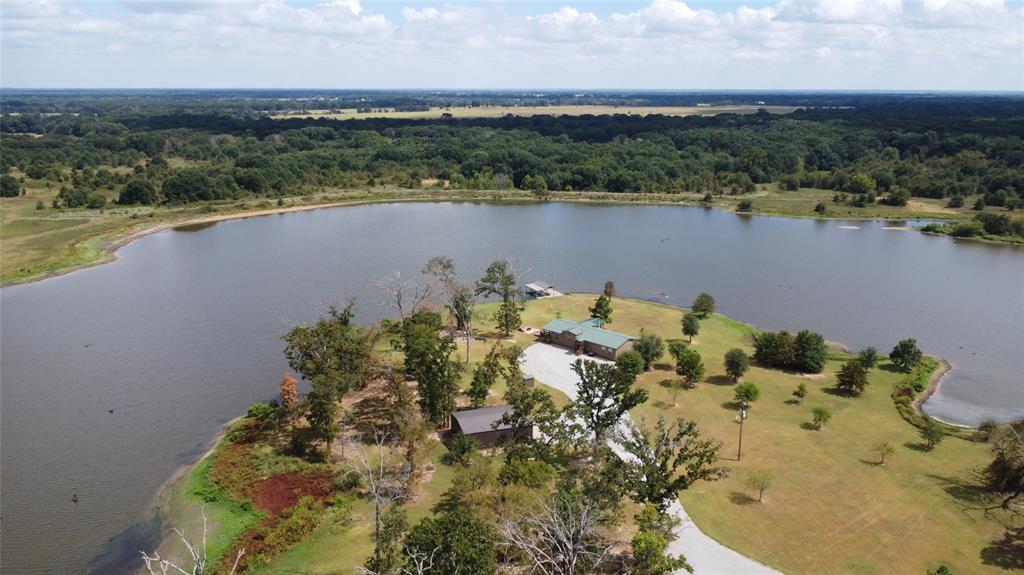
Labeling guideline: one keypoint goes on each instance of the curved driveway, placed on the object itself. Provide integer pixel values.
(552, 366)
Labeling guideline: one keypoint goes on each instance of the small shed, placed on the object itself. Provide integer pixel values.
(482, 424)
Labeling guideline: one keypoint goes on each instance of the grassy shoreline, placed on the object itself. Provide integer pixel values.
(78, 239)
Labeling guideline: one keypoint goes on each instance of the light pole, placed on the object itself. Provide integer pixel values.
(741, 417)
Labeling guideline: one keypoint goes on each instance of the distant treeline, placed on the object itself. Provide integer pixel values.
(892, 147)
(270, 101)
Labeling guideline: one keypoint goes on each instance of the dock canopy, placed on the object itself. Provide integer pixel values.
(539, 289)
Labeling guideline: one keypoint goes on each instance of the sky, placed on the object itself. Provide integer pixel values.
(964, 45)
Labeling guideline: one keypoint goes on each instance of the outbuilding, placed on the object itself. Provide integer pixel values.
(482, 425)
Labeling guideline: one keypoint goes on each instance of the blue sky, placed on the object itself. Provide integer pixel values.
(544, 44)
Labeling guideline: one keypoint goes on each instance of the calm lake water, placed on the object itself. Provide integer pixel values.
(115, 376)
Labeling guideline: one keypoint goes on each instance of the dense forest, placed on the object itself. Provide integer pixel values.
(198, 146)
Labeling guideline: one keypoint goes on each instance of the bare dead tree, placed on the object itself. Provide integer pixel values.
(405, 295)
(157, 565)
(386, 482)
(558, 538)
(461, 298)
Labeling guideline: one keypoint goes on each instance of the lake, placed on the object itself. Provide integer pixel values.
(114, 376)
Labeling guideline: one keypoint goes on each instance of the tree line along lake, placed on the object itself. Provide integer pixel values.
(114, 376)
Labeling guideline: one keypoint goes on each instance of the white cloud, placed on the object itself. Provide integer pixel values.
(837, 44)
(414, 15)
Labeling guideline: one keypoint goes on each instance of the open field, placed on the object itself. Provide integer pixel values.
(37, 243)
(499, 111)
(831, 509)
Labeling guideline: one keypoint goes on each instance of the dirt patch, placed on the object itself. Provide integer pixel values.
(280, 492)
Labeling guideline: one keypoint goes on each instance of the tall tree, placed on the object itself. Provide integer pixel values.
(667, 460)
(746, 393)
(932, 434)
(485, 376)
(609, 289)
(559, 536)
(461, 298)
(852, 378)
(333, 352)
(691, 325)
(689, 364)
(655, 530)
(704, 304)
(602, 309)
(604, 394)
(650, 347)
(760, 480)
(905, 355)
(501, 278)
(1005, 474)
(736, 363)
(868, 357)
(386, 481)
(459, 542)
(428, 361)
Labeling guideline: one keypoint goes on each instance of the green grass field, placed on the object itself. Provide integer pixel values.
(831, 509)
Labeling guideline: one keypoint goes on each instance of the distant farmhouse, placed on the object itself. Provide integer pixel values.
(587, 337)
(482, 425)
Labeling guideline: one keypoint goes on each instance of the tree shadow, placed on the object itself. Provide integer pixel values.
(732, 405)
(836, 392)
(668, 383)
(873, 463)
(738, 498)
(792, 402)
(371, 411)
(967, 493)
(662, 366)
(807, 425)
(720, 380)
(919, 447)
(1008, 552)
(890, 368)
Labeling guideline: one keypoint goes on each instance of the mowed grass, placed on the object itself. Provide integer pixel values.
(831, 508)
(567, 110)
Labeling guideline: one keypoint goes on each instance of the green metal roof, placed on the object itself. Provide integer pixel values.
(585, 331)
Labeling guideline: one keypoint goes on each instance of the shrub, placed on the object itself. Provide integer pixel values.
(745, 206)
(532, 474)
(461, 450)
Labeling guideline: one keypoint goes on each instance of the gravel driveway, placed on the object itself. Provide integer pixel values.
(552, 366)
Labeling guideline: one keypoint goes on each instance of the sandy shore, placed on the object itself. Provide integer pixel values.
(933, 386)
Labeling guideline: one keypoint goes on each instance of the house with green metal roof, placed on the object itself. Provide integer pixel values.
(587, 337)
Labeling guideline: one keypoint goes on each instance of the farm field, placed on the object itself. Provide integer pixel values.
(499, 111)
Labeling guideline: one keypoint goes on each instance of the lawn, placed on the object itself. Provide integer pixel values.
(831, 508)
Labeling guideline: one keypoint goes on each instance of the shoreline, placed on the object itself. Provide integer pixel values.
(108, 246)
